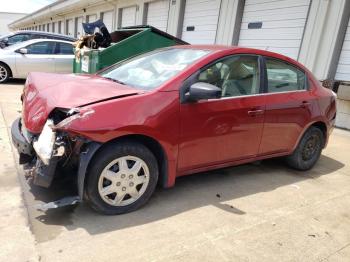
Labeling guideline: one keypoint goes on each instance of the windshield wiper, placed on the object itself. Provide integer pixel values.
(115, 80)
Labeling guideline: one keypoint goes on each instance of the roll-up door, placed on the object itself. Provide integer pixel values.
(107, 18)
(201, 21)
(79, 27)
(70, 27)
(91, 18)
(272, 25)
(157, 14)
(128, 16)
(343, 68)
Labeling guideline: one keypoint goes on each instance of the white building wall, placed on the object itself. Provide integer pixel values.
(6, 19)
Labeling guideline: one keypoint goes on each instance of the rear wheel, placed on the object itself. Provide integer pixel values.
(122, 178)
(4, 73)
(308, 150)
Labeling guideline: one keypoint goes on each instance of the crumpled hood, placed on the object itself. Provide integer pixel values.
(45, 91)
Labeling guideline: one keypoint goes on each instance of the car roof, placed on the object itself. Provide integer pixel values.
(43, 33)
(33, 41)
(45, 40)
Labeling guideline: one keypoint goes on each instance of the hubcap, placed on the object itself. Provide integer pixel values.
(3, 73)
(123, 181)
(311, 147)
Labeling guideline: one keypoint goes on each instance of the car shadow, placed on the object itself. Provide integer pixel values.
(190, 192)
(15, 81)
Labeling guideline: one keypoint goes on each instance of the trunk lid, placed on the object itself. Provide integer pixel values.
(45, 91)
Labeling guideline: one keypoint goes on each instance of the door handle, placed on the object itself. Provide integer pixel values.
(305, 104)
(255, 112)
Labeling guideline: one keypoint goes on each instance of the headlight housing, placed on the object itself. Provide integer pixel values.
(72, 115)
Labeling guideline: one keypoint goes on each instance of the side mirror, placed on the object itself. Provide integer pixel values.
(3, 42)
(22, 51)
(203, 91)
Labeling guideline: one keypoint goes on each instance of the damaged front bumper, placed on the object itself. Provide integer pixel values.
(50, 152)
(41, 172)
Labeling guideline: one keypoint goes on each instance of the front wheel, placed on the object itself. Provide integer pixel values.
(308, 150)
(122, 178)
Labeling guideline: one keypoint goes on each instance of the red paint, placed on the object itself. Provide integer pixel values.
(195, 137)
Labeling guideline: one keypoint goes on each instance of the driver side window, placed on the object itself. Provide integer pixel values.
(235, 76)
(41, 48)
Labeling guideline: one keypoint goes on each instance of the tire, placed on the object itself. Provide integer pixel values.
(113, 175)
(308, 150)
(5, 73)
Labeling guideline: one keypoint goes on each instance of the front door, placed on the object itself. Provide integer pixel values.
(40, 58)
(229, 128)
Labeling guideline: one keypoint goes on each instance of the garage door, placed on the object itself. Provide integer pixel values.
(79, 27)
(128, 16)
(157, 14)
(91, 18)
(201, 21)
(272, 25)
(107, 18)
(343, 68)
(70, 27)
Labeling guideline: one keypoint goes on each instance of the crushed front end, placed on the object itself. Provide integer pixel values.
(50, 151)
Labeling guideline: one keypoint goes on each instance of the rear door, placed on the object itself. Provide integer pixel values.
(289, 104)
(40, 58)
(63, 57)
(222, 130)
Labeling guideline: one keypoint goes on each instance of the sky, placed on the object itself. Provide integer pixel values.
(23, 6)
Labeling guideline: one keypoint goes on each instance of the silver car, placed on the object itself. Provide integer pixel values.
(38, 55)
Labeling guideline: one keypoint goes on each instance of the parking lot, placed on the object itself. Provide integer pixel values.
(257, 212)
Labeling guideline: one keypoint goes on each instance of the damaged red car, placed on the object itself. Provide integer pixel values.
(168, 113)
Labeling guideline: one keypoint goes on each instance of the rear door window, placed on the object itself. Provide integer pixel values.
(64, 49)
(283, 77)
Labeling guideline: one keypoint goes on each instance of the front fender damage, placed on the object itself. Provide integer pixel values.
(57, 148)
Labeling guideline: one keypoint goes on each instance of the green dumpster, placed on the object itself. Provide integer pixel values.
(126, 42)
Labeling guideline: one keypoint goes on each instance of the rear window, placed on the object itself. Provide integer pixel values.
(284, 77)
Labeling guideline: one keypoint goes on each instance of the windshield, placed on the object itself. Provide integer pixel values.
(149, 71)
(14, 46)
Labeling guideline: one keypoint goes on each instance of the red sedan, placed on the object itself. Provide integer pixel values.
(169, 113)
